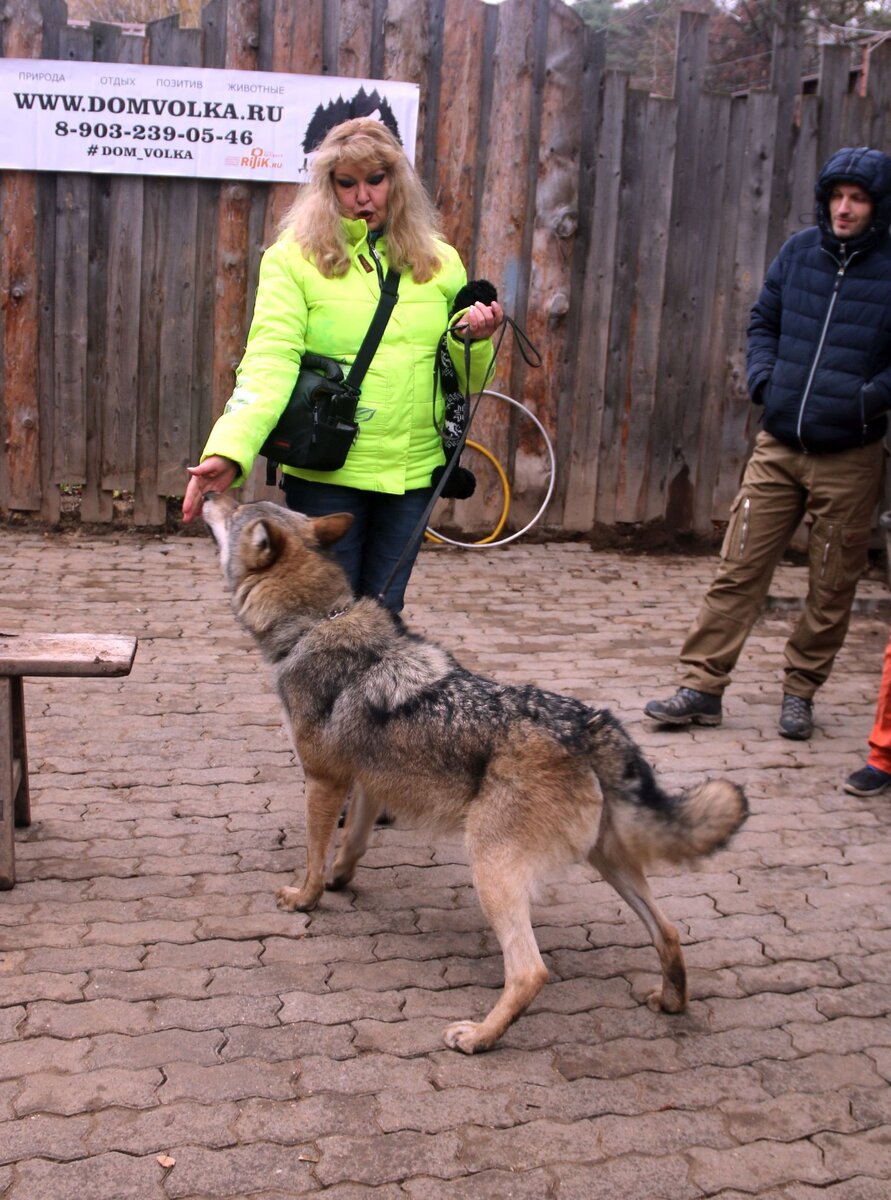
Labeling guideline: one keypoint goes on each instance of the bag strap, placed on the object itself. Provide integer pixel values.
(371, 341)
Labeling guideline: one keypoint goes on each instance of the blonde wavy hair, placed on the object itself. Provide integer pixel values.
(314, 219)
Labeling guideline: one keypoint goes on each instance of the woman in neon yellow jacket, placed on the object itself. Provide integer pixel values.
(365, 209)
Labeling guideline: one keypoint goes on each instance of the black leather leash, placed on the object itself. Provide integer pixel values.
(532, 358)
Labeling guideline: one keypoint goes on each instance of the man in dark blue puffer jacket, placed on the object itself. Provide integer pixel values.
(819, 361)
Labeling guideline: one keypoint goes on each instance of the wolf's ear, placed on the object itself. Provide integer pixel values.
(331, 529)
(264, 544)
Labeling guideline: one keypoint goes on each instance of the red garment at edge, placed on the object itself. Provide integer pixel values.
(880, 737)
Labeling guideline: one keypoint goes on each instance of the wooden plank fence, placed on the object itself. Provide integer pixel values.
(627, 233)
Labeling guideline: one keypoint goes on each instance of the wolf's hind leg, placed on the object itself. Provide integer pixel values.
(357, 829)
(610, 858)
(324, 801)
(504, 895)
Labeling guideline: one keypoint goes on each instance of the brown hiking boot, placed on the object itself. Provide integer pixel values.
(796, 718)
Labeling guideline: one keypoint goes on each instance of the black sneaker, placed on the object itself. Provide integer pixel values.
(868, 781)
(796, 718)
(686, 707)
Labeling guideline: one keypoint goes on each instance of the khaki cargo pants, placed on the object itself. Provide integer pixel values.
(839, 492)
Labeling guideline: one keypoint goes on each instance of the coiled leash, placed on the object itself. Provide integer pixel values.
(453, 439)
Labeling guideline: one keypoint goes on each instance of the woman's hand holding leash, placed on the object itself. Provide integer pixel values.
(215, 474)
(480, 321)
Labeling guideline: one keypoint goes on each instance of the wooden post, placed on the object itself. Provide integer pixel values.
(643, 231)
(240, 42)
(295, 47)
(583, 465)
(555, 232)
(113, 349)
(502, 217)
(452, 148)
(785, 84)
(835, 72)
(166, 318)
(570, 382)
(701, 145)
(20, 485)
(878, 92)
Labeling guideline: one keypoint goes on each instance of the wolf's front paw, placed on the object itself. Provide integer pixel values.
(292, 899)
(466, 1036)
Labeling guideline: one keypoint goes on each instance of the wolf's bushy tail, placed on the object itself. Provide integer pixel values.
(680, 828)
(648, 821)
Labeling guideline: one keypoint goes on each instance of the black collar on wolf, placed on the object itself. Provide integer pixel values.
(277, 655)
(337, 612)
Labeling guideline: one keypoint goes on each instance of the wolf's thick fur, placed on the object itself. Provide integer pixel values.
(534, 779)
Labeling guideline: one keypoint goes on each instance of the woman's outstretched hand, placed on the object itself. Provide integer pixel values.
(215, 474)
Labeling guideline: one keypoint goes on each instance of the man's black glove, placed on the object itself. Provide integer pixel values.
(461, 483)
(473, 290)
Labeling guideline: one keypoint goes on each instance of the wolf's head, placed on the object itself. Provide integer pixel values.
(274, 562)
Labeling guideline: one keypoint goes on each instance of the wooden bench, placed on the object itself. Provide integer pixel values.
(57, 654)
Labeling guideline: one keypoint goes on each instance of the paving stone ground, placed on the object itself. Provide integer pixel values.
(165, 1032)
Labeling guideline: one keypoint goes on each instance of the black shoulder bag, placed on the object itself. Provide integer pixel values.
(318, 426)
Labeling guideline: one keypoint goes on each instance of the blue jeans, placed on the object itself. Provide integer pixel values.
(382, 525)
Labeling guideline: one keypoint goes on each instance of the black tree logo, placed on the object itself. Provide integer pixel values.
(339, 110)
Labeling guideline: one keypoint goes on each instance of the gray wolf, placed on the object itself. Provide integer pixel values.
(535, 780)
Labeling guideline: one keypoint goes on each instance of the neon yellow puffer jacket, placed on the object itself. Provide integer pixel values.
(297, 308)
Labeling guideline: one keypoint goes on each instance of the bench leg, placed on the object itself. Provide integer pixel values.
(9, 785)
(20, 753)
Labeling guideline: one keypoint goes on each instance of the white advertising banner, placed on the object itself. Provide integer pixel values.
(114, 118)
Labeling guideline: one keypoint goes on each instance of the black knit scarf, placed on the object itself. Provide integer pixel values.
(456, 412)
